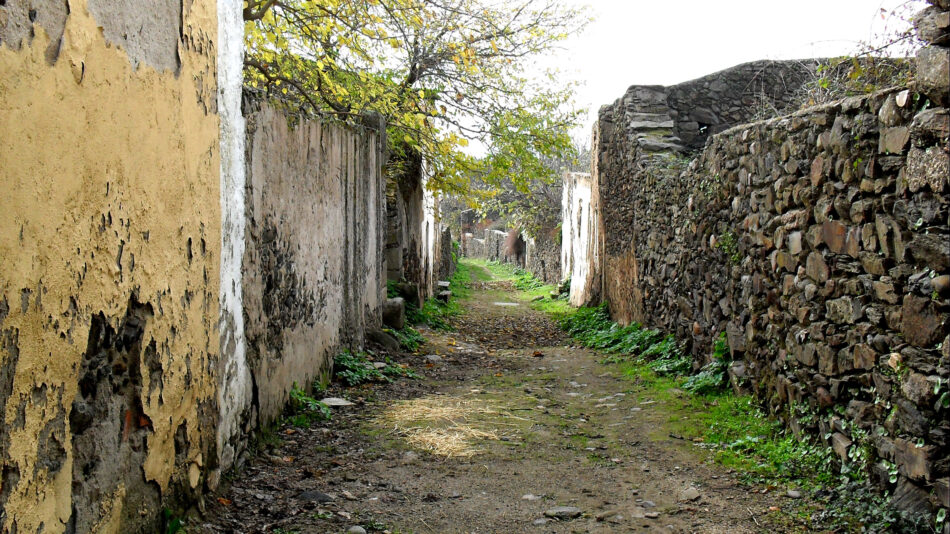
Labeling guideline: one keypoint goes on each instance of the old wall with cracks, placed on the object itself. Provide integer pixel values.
(313, 273)
(168, 273)
(818, 243)
(413, 247)
(110, 277)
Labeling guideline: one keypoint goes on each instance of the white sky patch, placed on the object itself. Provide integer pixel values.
(663, 42)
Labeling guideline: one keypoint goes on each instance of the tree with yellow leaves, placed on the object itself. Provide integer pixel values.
(442, 73)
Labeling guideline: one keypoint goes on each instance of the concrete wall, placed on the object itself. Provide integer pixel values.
(109, 285)
(580, 237)
(819, 244)
(312, 268)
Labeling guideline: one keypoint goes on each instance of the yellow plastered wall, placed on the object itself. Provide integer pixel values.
(106, 172)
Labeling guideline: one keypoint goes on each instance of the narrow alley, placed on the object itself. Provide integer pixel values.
(509, 429)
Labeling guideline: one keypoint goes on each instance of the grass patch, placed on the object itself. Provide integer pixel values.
(451, 427)
(435, 313)
(738, 432)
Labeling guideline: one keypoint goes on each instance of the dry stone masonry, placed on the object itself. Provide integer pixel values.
(818, 242)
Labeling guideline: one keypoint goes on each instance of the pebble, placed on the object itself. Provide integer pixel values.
(690, 494)
(433, 358)
(794, 494)
(651, 515)
(563, 512)
(314, 495)
(541, 521)
(531, 497)
(356, 530)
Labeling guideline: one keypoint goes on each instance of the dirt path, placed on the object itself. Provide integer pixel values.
(509, 423)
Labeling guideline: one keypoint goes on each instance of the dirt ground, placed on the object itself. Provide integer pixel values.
(508, 423)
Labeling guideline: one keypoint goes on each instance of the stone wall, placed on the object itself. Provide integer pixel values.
(413, 236)
(818, 242)
(682, 116)
(111, 247)
(447, 255)
(543, 259)
(313, 268)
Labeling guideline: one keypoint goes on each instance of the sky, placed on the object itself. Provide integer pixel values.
(666, 42)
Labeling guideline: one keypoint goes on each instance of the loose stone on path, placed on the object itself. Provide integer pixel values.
(563, 512)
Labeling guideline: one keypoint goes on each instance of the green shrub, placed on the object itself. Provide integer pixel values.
(302, 410)
(409, 338)
(391, 291)
(593, 328)
(713, 376)
(354, 369)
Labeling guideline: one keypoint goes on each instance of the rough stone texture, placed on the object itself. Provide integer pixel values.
(413, 237)
(684, 115)
(815, 240)
(313, 271)
(543, 258)
(447, 255)
(109, 284)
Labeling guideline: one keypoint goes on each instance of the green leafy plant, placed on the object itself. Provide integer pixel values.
(303, 410)
(525, 280)
(712, 377)
(409, 338)
(354, 369)
(391, 290)
(173, 524)
(728, 243)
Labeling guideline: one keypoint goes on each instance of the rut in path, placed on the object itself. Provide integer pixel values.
(510, 423)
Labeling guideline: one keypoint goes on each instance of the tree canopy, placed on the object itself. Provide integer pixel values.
(442, 72)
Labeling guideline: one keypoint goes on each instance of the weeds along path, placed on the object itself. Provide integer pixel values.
(510, 429)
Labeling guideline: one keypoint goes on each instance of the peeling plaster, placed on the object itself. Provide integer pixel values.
(102, 193)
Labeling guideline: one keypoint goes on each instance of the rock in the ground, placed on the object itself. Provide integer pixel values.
(539, 522)
(433, 358)
(531, 497)
(563, 512)
(336, 402)
(793, 494)
(394, 313)
(314, 496)
(690, 494)
(383, 339)
(356, 530)
(651, 515)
